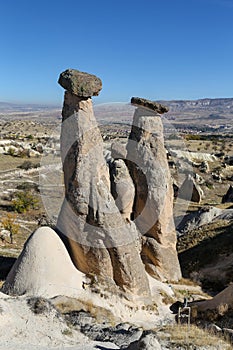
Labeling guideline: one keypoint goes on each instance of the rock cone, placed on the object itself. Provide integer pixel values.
(42, 272)
(190, 190)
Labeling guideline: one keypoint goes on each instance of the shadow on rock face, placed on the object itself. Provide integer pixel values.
(6, 264)
(175, 307)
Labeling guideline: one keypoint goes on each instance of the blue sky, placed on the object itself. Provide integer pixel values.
(157, 49)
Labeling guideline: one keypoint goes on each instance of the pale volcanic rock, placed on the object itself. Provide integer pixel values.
(118, 150)
(122, 188)
(223, 298)
(153, 207)
(95, 220)
(190, 190)
(80, 83)
(44, 268)
(98, 238)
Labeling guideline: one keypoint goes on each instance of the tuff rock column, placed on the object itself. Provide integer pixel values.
(98, 238)
(153, 205)
(122, 188)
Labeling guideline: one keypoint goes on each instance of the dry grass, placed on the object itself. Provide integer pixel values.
(204, 233)
(209, 146)
(166, 299)
(186, 282)
(68, 305)
(211, 315)
(8, 162)
(215, 238)
(184, 335)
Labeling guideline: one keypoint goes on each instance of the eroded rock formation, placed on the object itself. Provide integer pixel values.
(220, 305)
(122, 188)
(100, 241)
(190, 190)
(153, 206)
(116, 219)
(38, 272)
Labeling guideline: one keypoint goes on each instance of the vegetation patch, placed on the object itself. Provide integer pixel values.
(190, 336)
(24, 201)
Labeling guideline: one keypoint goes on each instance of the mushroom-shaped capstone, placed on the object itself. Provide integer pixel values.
(80, 83)
(152, 105)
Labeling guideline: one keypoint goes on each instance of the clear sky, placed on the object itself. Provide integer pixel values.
(157, 49)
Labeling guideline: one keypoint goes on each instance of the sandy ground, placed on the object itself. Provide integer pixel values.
(22, 329)
(35, 274)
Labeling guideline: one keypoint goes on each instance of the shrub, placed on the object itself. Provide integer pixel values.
(28, 186)
(24, 201)
(174, 137)
(23, 153)
(39, 305)
(209, 185)
(10, 225)
(193, 137)
(27, 164)
(193, 337)
(11, 151)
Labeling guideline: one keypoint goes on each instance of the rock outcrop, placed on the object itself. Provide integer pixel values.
(118, 150)
(98, 238)
(193, 156)
(122, 188)
(224, 298)
(203, 216)
(204, 167)
(148, 341)
(116, 220)
(153, 206)
(190, 190)
(38, 271)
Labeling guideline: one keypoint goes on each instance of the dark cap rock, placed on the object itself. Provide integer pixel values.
(152, 105)
(80, 83)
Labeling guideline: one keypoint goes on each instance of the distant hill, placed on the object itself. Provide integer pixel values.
(11, 107)
(203, 114)
(208, 114)
(225, 104)
(201, 104)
